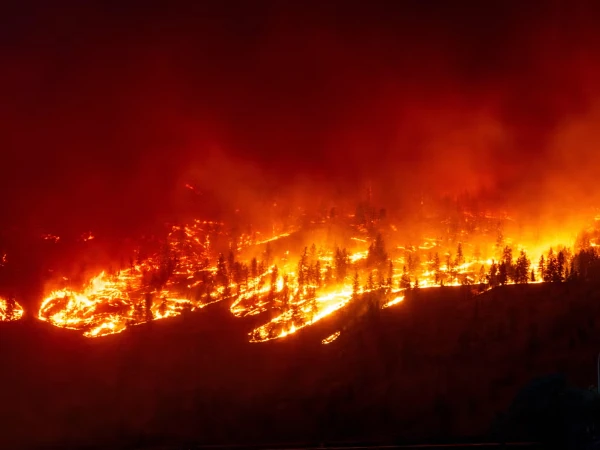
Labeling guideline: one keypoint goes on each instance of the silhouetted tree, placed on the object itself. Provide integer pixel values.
(209, 287)
(390, 273)
(285, 293)
(222, 276)
(377, 254)
(499, 239)
(162, 308)
(313, 251)
(314, 308)
(560, 266)
(460, 259)
(254, 268)
(230, 263)
(482, 278)
(148, 307)
(507, 259)
(328, 275)
(274, 276)
(318, 280)
(572, 273)
(370, 282)
(310, 274)
(355, 285)
(237, 275)
(342, 261)
(493, 275)
(245, 272)
(405, 279)
(380, 280)
(302, 269)
(436, 268)
(502, 273)
(138, 312)
(583, 241)
(552, 272)
(522, 268)
(542, 268)
(413, 263)
(465, 280)
(268, 254)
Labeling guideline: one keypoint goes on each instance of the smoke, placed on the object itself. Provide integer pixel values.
(108, 113)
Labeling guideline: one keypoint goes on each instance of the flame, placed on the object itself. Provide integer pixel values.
(393, 302)
(329, 339)
(10, 310)
(87, 236)
(291, 291)
(109, 304)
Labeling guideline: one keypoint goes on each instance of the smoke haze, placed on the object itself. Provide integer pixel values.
(108, 111)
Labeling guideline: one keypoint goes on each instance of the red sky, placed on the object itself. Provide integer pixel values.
(108, 110)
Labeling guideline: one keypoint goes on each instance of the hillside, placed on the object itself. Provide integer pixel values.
(441, 364)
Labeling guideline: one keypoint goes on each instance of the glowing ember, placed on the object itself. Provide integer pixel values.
(87, 236)
(331, 338)
(395, 301)
(10, 310)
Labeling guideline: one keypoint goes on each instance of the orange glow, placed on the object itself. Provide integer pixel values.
(293, 289)
(87, 236)
(10, 310)
(331, 338)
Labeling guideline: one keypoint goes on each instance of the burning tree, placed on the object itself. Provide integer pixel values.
(341, 264)
(377, 255)
(9, 309)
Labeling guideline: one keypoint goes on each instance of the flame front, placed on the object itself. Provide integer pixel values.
(10, 310)
(295, 289)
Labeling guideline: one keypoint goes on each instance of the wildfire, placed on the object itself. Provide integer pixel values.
(302, 313)
(156, 287)
(294, 290)
(109, 304)
(10, 310)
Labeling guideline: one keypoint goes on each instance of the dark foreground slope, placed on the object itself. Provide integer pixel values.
(440, 365)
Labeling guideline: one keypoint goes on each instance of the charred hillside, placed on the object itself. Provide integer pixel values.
(404, 373)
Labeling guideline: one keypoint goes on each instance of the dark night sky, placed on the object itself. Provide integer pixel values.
(107, 110)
